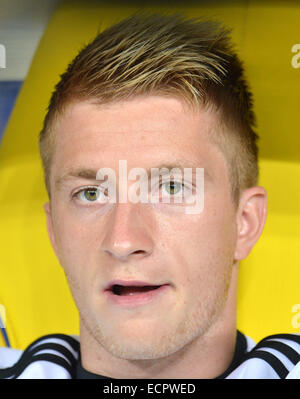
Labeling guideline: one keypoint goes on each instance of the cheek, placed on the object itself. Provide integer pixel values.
(75, 255)
(73, 239)
(204, 245)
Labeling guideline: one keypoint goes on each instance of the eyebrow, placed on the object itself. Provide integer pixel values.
(90, 173)
(76, 173)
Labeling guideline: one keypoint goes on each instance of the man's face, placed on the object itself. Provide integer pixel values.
(190, 255)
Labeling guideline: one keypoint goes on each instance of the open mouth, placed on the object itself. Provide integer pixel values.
(130, 294)
(122, 290)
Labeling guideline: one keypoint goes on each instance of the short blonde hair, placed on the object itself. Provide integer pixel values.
(169, 55)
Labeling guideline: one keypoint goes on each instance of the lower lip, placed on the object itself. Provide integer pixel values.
(136, 299)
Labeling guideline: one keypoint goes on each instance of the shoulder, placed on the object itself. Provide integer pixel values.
(274, 357)
(50, 356)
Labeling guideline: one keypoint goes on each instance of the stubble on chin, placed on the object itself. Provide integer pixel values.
(169, 338)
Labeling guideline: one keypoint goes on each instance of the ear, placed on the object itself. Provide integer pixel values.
(47, 209)
(251, 217)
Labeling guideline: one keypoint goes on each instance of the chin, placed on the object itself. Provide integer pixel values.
(131, 350)
(142, 343)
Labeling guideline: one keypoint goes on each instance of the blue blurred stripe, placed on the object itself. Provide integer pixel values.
(8, 94)
(3, 331)
(7, 343)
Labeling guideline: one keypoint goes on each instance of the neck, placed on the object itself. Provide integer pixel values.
(207, 356)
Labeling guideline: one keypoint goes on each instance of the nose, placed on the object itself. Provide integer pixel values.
(128, 232)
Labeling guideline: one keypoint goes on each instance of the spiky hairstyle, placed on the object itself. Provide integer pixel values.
(170, 55)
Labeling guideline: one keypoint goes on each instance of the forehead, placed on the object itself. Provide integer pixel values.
(145, 131)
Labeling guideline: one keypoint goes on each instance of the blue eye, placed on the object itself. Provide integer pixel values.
(172, 187)
(88, 194)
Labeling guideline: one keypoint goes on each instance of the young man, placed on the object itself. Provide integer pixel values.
(154, 283)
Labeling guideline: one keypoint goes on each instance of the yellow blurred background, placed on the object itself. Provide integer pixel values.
(33, 288)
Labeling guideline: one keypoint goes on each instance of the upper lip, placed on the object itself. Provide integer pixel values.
(129, 283)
